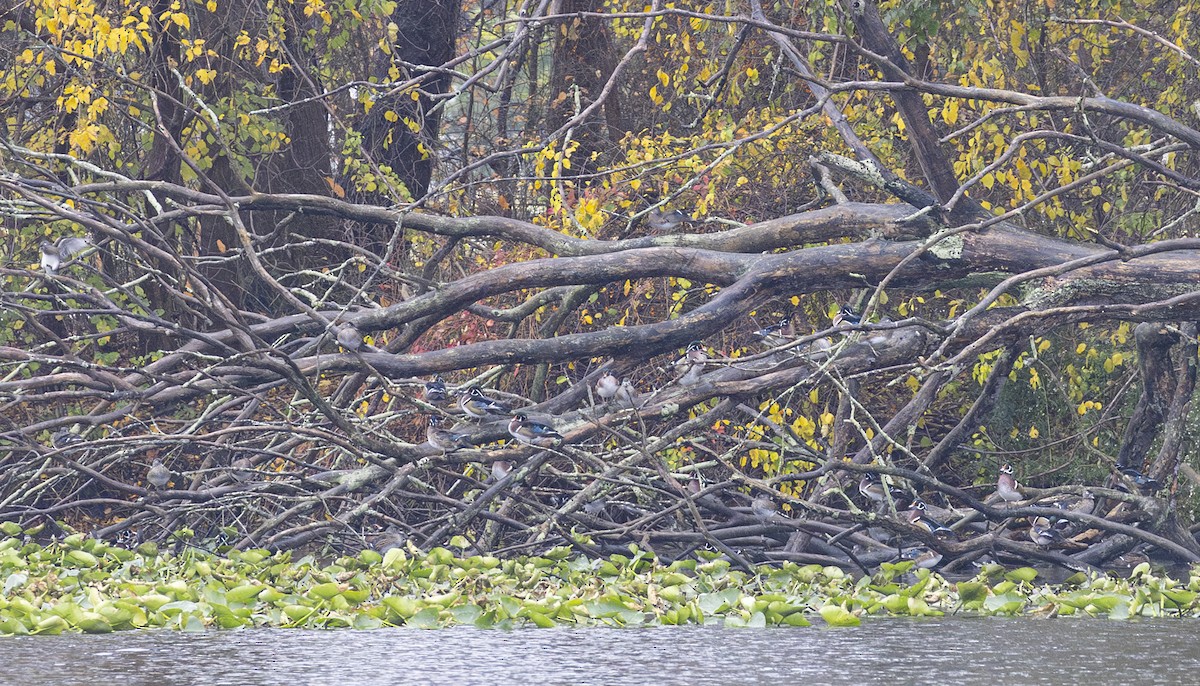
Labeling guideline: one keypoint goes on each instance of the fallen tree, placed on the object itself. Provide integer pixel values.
(282, 376)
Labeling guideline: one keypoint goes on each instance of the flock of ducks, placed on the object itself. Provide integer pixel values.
(476, 405)
(1045, 532)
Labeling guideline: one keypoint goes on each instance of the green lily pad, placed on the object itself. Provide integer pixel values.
(836, 615)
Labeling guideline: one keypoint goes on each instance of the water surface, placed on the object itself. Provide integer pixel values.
(954, 650)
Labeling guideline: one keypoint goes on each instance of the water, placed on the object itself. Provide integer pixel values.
(883, 651)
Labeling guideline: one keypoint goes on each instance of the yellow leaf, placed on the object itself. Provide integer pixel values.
(950, 112)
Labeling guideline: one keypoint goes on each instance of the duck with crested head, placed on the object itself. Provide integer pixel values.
(1007, 487)
(443, 439)
(435, 391)
(780, 333)
(530, 432)
(694, 360)
(476, 405)
(918, 516)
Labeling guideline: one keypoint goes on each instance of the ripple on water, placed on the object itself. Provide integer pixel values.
(955, 650)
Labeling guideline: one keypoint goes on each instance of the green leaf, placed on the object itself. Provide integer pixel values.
(836, 615)
(971, 591)
(1023, 574)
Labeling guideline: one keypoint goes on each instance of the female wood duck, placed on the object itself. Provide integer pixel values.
(475, 404)
(435, 391)
(626, 396)
(60, 251)
(779, 333)
(694, 360)
(158, 475)
(500, 469)
(443, 439)
(917, 517)
(607, 386)
(350, 338)
(534, 433)
(658, 220)
(923, 558)
(1007, 487)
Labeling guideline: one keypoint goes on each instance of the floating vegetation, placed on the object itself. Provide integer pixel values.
(84, 584)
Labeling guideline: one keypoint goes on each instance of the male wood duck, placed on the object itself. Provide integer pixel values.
(65, 437)
(846, 315)
(923, 558)
(780, 333)
(1144, 483)
(158, 475)
(435, 391)
(1007, 487)
(475, 404)
(665, 221)
(694, 360)
(60, 251)
(534, 433)
(350, 338)
(917, 517)
(444, 439)
(871, 486)
(1044, 534)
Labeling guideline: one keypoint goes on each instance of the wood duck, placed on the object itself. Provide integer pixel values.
(665, 221)
(65, 437)
(475, 404)
(607, 386)
(871, 486)
(763, 507)
(443, 439)
(500, 469)
(158, 475)
(917, 517)
(1085, 504)
(241, 469)
(626, 396)
(779, 333)
(60, 251)
(846, 315)
(693, 360)
(435, 391)
(350, 338)
(923, 558)
(1007, 487)
(1144, 483)
(1044, 534)
(534, 433)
